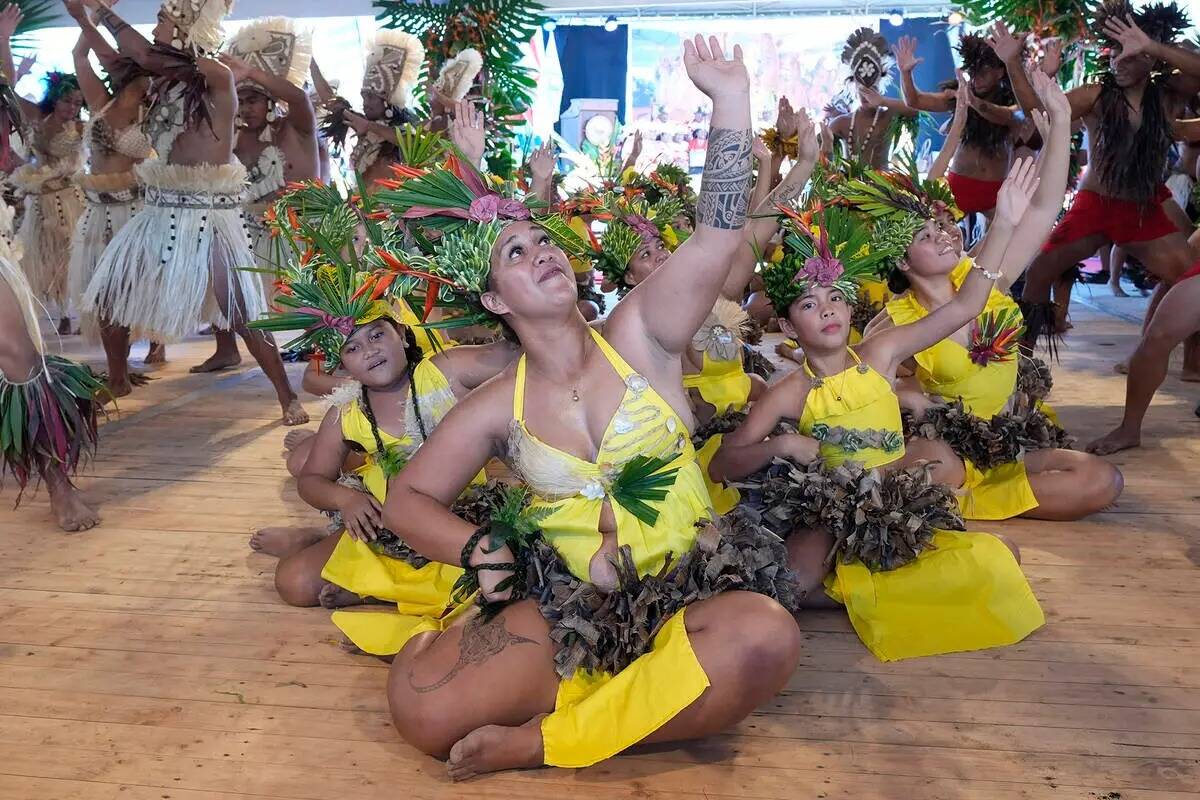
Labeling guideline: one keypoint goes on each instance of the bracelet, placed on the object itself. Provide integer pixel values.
(991, 276)
(468, 582)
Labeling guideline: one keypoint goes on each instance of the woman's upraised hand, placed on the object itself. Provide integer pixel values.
(711, 71)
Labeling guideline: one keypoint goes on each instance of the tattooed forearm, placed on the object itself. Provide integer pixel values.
(111, 21)
(725, 188)
(480, 641)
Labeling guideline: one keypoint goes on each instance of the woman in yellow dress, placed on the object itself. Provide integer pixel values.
(625, 635)
(860, 497)
(987, 395)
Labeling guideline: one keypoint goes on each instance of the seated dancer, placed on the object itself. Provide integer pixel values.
(1128, 117)
(393, 63)
(844, 487)
(276, 141)
(116, 143)
(874, 124)
(595, 422)
(53, 204)
(395, 397)
(48, 445)
(1012, 452)
(176, 264)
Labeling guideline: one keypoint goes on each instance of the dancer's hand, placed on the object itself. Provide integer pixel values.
(541, 163)
(237, 66)
(1008, 46)
(962, 99)
(760, 151)
(362, 515)
(1017, 191)
(870, 98)
(906, 53)
(1053, 99)
(1052, 55)
(799, 448)
(807, 145)
(786, 121)
(1133, 40)
(24, 68)
(10, 18)
(467, 132)
(711, 71)
(635, 151)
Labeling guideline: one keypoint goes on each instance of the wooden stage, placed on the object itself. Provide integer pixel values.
(150, 659)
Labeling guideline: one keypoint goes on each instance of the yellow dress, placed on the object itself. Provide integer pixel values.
(965, 593)
(597, 715)
(947, 371)
(722, 382)
(421, 595)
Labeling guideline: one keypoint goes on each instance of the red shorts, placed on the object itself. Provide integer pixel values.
(972, 194)
(1119, 221)
(1191, 273)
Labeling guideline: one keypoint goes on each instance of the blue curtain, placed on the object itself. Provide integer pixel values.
(933, 44)
(595, 63)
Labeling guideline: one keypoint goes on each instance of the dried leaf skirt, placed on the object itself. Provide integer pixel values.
(928, 590)
(112, 200)
(163, 271)
(45, 235)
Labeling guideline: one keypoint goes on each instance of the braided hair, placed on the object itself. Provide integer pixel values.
(413, 355)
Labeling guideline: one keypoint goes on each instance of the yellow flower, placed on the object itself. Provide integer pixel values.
(865, 250)
(496, 180)
(327, 273)
(670, 238)
(776, 255)
(629, 176)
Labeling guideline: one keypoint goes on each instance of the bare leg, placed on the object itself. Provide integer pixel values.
(156, 355)
(1160, 291)
(1177, 318)
(1049, 266)
(1070, 485)
(807, 554)
(261, 345)
(1062, 303)
(283, 542)
(297, 457)
(758, 387)
(1191, 359)
(225, 357)
(116, 353)
(1168, 256)
(298, 575)
(1116, 264)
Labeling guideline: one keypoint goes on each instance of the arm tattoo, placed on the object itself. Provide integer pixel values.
(111, 21)
(725, 188)
(480, 641)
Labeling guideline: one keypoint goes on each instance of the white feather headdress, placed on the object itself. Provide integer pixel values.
(197, 22)
(458, 74)
(274, 45)
(393, 63)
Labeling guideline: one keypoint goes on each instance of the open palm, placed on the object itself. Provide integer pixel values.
(711, 71)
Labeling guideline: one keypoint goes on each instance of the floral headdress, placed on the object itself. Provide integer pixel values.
(667, 182)
(829, 246)
(275, 46)
(631, 221)
(58, 86)
(869, 57)
(327, 290)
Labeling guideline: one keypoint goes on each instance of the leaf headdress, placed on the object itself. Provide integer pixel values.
(631, 222)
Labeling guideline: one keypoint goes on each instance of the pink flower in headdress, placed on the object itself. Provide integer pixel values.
(821, 269)
(343, 325)
(491, 207)
(642, 226)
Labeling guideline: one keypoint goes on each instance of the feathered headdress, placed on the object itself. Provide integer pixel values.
(393, 63)
(197, 23)
(327, 290)
(275, 46)
(58, 86)
(869, 57)
(829, 246)
(1162, 22)
(976, 54)
(458, 74)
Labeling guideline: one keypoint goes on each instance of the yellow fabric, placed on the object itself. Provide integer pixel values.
(573, 524)
(967, 594)
(421, 596)
(945, 370)
(597, 715)
(724, 498)
(722, 384)
(857, 398)
(431, 341)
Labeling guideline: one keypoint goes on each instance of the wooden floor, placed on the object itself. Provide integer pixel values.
(149, 659)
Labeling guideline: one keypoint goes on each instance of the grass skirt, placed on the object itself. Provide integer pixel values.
(52, 208)
(157, 275)
(112, 200)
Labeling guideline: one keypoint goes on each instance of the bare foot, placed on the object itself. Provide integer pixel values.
(1118, 292)
(119, 389)
(294, 413)
(71, 512)
(282, 542)
(347, 646)
(1121, 367)
(334, 596)
(493, 748)
(296, 438)
(156, 356)
(1189, 376)
(217, 362)
(1115, 441)
(64, 327)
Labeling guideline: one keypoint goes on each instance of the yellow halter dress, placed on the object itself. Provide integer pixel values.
(723, 383)
(597, 715)
(421, 595)
(966, 592)
(947, 371)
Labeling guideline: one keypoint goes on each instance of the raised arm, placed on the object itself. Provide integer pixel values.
(954, 136)
(1134, 41)
(222, 96)
(95, 94)
(887, 349)
(95, 40)
(764, 221)
(1009, 48)
(894, 104)
(130, 43)
(994, 113)
(324, 91)
(907, 60)
(467, 131)
(748, 449)
(300, 114)
(541, 172)
(10, 18)
(672, 303)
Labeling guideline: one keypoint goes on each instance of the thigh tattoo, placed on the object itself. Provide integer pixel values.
(481, 639)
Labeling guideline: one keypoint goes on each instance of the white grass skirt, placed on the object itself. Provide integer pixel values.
(45, 236)
(112, 200)
(162, 273)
